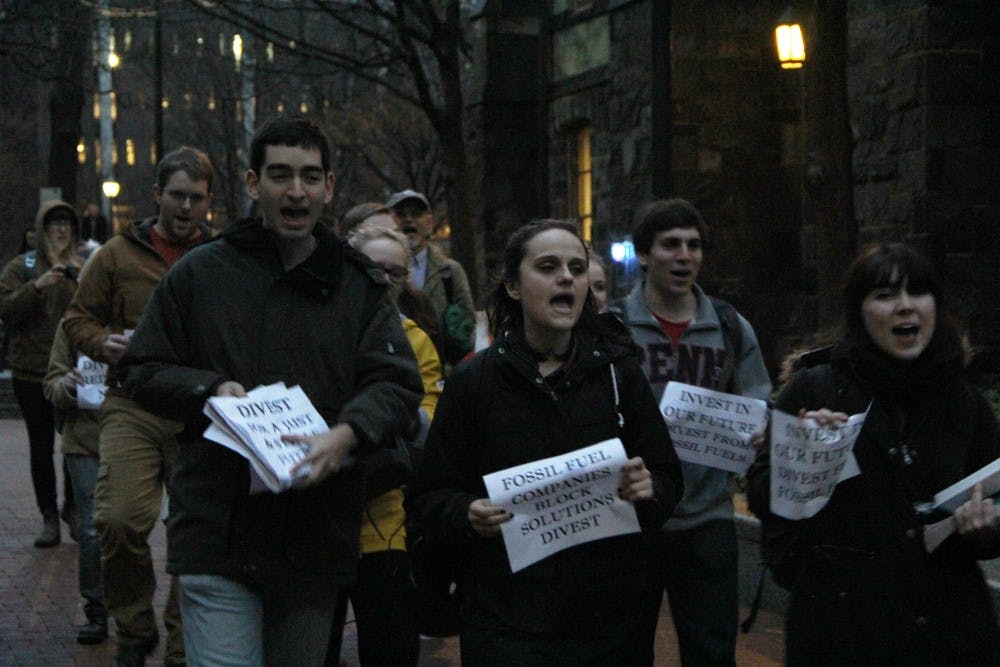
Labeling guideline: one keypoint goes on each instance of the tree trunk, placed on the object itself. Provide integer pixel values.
(66, 99)
(829, 181)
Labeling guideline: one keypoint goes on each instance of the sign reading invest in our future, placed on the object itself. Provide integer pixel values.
(712, 428)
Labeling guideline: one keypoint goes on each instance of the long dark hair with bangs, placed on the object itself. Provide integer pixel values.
(505, 313)
(888, 265)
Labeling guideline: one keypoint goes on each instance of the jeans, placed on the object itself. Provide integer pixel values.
(83, 471)
(698, 569)
(39, 419)
(226, 624)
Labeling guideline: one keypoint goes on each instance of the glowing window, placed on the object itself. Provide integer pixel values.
(129, 152)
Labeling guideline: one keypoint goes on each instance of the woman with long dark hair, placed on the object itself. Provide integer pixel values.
(557, 377)
(865, 591)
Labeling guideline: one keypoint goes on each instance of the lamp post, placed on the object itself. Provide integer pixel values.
(105, 61)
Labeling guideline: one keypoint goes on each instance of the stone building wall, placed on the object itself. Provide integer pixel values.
(923, 82)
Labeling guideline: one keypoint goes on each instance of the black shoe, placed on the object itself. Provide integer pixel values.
(68, 515)
(94, 632)
(49, 537)
(134, 655)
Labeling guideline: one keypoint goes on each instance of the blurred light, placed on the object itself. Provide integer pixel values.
(113, 60)
(791, 45)
(111, 189)
(237, 48)
(622, 251)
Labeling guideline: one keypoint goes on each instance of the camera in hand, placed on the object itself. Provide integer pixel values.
(69, 272)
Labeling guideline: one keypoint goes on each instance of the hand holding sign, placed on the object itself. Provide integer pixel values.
(486, 518)
(637, 481)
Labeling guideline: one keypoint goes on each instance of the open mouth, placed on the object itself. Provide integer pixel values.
(408, 229)
(563, 302)
(681, 273)
(908, 329)
(294, 214)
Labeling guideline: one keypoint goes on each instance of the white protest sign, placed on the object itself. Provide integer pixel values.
(253, 426)
(562, 501)
(712, 428)
(808, 461)
(90, 394)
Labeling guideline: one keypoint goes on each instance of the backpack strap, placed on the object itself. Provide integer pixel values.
(732, 334)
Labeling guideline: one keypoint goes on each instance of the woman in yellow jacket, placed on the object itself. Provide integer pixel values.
(383, 598)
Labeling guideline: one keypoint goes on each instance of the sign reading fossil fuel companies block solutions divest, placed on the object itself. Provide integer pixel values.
(562, 501)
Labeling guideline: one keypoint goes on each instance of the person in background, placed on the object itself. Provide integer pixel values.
(598, 281)
(274, 298)
(93, 225)
(368, 213)
(687, 336)
(137, 447)
(27, 240)
(79, 438)
(864, 590)
(35, 288)
(383, 596)
(441, 278)
(557, 377)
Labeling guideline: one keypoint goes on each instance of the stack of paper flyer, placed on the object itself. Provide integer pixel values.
(958, 493)
(252, 427)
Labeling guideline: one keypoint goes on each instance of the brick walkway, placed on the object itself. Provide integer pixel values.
(40, 609)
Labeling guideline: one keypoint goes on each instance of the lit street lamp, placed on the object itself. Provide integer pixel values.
(111, 189)
(791, 45)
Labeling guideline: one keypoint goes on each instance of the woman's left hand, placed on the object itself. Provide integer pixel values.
(637, 482)
(977, 517)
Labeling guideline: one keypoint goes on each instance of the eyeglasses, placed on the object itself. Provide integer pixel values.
(396, 272)
(59, 223)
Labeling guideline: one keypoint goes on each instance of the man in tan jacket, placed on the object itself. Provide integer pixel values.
(136, 447)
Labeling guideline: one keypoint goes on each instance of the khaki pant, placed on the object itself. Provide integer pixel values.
(136, 451)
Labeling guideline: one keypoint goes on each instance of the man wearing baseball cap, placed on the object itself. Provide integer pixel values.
(441, 278)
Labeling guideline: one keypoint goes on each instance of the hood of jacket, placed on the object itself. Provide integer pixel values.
(44, 211)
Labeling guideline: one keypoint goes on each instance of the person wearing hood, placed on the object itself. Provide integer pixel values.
(35, 288)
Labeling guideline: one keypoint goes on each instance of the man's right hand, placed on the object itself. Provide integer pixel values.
(114, 347)
(231, 388)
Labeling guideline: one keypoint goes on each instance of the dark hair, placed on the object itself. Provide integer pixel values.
(888, 265)
(24, 240)
(664, 214)
(288, 131)
(358, 214)
(191, 161)
(505, 312)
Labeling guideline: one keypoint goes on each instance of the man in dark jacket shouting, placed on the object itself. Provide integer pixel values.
(276, 298)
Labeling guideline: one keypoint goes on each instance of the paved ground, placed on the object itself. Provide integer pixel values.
(40, 609)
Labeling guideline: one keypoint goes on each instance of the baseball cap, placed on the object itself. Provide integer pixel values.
(400, 197)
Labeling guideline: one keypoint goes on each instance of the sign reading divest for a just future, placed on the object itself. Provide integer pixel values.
(562, 501)
(712, 428)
